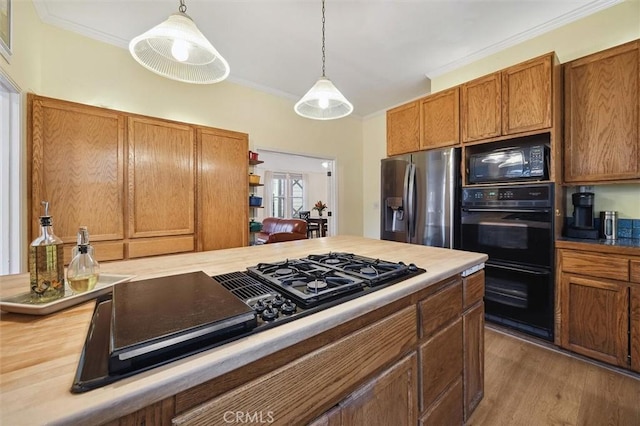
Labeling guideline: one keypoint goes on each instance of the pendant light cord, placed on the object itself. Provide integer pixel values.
(323, 38)
(183, 7)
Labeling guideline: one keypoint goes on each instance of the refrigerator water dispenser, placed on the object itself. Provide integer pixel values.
(394, 214)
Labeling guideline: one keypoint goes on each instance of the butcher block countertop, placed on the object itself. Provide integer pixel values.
(39, 354)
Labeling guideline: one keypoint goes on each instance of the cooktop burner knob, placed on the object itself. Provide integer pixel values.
(288, 307)
(413, 267)
(259, 306)
(277, 301)
(270, 314)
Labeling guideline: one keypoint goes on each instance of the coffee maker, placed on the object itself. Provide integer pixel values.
(582, 226)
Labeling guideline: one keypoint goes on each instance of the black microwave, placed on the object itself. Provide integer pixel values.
(520, 163)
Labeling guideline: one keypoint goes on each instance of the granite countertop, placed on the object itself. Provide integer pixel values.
(623, 246)
(39, 355)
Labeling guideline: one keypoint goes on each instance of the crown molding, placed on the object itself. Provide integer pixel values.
(586, 10)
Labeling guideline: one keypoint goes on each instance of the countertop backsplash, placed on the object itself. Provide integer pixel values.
(628, 231)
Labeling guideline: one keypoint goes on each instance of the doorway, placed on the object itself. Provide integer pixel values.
(294, 183)
(11, 188)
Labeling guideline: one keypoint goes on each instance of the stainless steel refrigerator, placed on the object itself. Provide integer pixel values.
(420, 196)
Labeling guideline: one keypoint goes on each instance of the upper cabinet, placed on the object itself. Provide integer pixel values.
(440, 119)
(601, 122)
(526, 96)
(403, 129)
(515, 100)
(521, 100)
(480, 108)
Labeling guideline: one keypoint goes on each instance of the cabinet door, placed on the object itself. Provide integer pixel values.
(473, 385)
(223, 194)
(161, 178)
(77, 160)
(480, 108)
(602, 101)
(447, 409)
(635, 326)
(526, 96)
(440, 119)
(441, 364)
(403, 129)
(389, 399)
(595, 316)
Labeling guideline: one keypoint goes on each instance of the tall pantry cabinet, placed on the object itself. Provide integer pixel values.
(143, 186)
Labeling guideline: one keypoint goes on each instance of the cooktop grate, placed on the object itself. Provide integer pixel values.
(244, 287)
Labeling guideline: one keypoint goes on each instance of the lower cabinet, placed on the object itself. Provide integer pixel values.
(305, 388)
(599, 306)
(596, 318)
(390, 398)
(473, 328)
(422, 363)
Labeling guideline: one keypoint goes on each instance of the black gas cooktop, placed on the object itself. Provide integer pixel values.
(274, 294)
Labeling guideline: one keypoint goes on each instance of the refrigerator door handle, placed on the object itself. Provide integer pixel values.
(412, 201)
(405, 197)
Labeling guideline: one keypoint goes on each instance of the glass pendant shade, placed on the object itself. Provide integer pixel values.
(176, 49)
(323, 102)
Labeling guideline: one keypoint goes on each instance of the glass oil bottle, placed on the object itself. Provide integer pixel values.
(83, 271)
(46, 263)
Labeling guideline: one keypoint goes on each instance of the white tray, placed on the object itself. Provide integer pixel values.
(22, 303)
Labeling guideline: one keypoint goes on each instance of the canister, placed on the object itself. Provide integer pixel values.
(609, 225)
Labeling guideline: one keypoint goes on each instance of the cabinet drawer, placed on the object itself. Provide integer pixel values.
(104, 251)
(329, 372)
(440, 309)
(157, 246)
(472, 289)
(634, 275)
(593, 265)
(441, 363)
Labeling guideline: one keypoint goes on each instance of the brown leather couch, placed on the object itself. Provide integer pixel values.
(275, 230)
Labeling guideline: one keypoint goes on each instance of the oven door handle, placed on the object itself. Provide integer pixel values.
(507, 210)
(514, 268)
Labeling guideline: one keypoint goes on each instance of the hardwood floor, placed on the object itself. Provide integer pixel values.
(528, 384)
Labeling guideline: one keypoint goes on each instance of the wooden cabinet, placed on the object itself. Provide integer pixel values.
(403, 129)
(440, 114)
(526, 96)
(136, 182)
(441, 364)
(223, 185)
(480, 109)
(599, 306)
(161, 185)
(390, 398)
(473, 339)
(329, 373)
(516, 100)
(596, 318)
(77, 164)
(602, 123)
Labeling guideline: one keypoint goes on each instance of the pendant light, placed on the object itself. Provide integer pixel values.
(323, 101)
(176, 49)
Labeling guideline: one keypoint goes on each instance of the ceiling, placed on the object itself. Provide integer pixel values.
(379, 53)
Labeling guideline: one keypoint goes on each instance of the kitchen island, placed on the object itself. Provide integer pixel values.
(419, 341)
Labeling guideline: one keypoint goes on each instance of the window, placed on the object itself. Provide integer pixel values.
(288, 194)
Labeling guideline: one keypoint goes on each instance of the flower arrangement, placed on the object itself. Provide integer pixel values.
(320, 206)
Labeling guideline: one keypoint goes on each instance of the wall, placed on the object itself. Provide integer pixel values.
(60, 64)
(610, 27)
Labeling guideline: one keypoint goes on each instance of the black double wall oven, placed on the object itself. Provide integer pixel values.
(513, 225)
